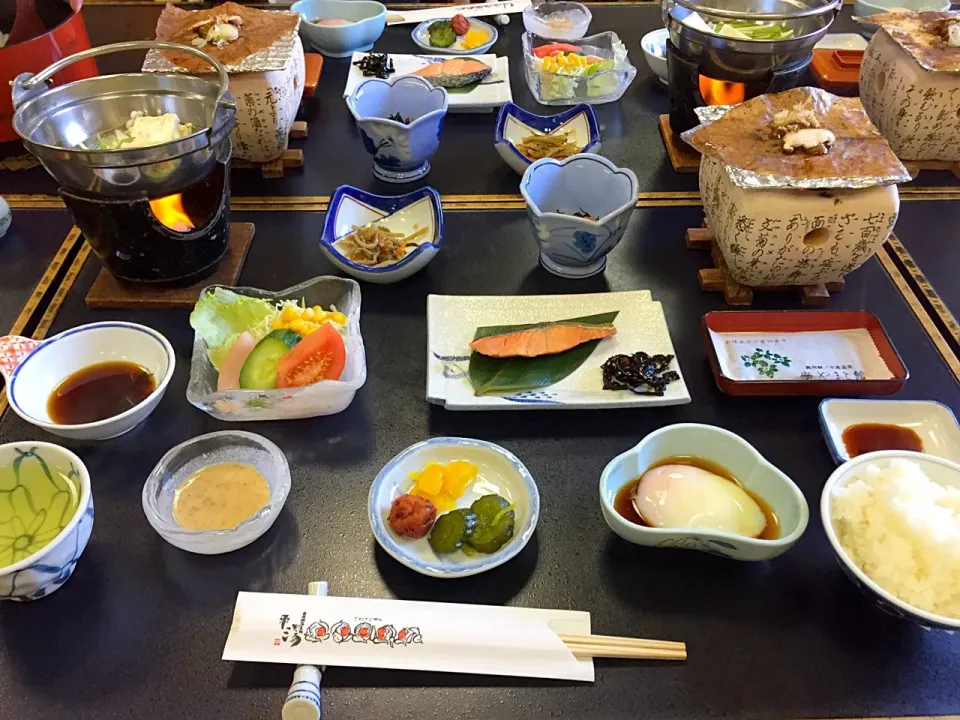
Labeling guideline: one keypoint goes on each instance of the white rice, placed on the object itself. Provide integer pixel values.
(903, 530)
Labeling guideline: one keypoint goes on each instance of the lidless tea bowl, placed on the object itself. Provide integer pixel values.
(35, 573)
(400, 121)
(579, 209)
(730, 452)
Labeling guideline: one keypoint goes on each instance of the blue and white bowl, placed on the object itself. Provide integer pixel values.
(401, 152)
(351, 207)
(368, 19)
(500, 472)
(937, 469)
(39, 574)
(570, 246)
(421, 38)
(514, 124)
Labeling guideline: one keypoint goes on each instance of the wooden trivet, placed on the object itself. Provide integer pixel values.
(915, 166)
(290, 158)
(718, 279)
(683, 157)
(109, 292)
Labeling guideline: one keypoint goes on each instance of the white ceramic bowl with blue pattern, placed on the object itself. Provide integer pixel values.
(939, 470)
(730, 452)
(571, 246)
(401, 150)
(514, 124)
(500, 472)
(367, 21)
(351, 207)
(36, 574)
(35, 369)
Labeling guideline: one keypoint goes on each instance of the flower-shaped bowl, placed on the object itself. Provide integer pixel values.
(351, 207)
(731, 452)
(500, 472)
(555, 191)
(176, 467)
(367, 21)
(34, 370)
(514, 124)
(557, 19)
(401, 150)
(937, 469)
(326, 397)
(607, 80)
(35, 573)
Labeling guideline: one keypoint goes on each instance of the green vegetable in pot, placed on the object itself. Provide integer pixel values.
(441, 34)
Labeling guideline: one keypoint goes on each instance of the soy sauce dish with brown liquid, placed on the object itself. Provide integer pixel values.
(100, 391)
(690, 492)
(870, 437)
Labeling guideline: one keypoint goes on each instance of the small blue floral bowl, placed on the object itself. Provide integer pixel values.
(401, 148)
(514, 124)
(417, 214)
(579, 209)
(36, 533)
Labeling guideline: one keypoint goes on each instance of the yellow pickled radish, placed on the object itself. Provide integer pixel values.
(457, 476)
(431, 479)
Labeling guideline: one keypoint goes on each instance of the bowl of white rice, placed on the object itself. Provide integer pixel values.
(893, 519)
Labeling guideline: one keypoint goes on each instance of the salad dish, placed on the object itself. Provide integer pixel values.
(261, 355)
(382, 239)
(456, 36)
(595, 70)
(522, 138)
(452, 507)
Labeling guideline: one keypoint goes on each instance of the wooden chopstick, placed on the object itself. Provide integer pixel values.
(624, 647)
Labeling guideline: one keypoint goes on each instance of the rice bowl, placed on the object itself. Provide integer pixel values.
(893, 519)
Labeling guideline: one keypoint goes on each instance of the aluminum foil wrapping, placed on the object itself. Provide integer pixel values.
(275, 57)
(849, 167)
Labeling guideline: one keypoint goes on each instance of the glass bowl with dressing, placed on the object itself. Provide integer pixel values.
(218, 492)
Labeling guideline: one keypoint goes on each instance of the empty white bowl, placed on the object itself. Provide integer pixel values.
(937, 469)
(368, 21)
(34, 370)
(731, 452)
(934, 422)
(174, 468)
(654, 46)
(500, 472)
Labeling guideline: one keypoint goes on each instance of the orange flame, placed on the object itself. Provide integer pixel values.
(721, 92)
(169, 211)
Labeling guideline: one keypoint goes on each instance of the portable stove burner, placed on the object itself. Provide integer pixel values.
(176, 239)
(709, 69)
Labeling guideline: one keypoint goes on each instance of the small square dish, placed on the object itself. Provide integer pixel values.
(933, 422)
(802, 352)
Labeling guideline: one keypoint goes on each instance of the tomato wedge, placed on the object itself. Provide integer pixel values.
(555, 49)
(321, 355)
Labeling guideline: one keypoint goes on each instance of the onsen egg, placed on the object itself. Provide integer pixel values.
(683, 496)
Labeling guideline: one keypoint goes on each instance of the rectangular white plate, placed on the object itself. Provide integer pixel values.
(452, 322)
(490, 94)
(934, 423)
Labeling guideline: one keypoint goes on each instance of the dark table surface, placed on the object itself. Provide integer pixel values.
(25, 253)
(466, 162)
(138, 631)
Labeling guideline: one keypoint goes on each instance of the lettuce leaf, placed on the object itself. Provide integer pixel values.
(220, 316)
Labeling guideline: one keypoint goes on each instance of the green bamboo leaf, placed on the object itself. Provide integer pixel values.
(505, 376)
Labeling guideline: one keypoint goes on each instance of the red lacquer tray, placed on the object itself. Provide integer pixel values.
(787, 321)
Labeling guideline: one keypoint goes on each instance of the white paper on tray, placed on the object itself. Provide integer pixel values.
(486, 96)
(820, 355)
(404, 635)
(401, 17)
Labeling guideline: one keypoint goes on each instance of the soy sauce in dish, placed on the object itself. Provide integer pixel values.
(868, 437)
(99, 391)
(624, 507)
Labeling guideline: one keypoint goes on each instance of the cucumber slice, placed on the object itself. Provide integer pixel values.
(287, 337)
(259, 372)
